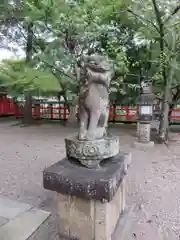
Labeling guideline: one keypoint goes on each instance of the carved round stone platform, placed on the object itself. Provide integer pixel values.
(91, 153)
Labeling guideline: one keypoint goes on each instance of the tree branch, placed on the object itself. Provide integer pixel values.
(58, 70)
(142, 19)
(176, 10)
(52, 65)
(161, 32)
(158, 18)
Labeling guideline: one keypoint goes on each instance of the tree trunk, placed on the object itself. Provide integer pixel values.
(73, 111)
(65, 100)
(164, 121)
(28, 95)
(167, 75)
(28, 108)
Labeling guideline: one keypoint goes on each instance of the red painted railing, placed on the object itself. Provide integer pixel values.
(60, 111)
(42, 111)
(6, 106)
(175, 111)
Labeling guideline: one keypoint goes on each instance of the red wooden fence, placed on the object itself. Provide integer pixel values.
(7, 106)
(60, 111)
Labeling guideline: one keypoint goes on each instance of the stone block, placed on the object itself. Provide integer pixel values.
(23, 225)
(3, 221)
(143, 145)
(89, 219)
(70, 178)
(10, 208)
(47, 231)
(123, 226)
(89, 202)
(144, 130)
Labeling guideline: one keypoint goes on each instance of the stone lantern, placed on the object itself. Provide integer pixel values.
(145, 115)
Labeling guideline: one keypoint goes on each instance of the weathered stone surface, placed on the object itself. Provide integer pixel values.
(3, 221)
(10, 208)
(89, 219)
(47, 231)
(144, 130)
(91, 153)
(68, 177)
(95, 75)
(137, 132)
(23, 225)
(123, 226)
(143, 145)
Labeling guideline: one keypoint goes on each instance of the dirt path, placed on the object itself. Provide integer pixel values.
(153, 178)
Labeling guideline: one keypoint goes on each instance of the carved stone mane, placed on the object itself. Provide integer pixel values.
(88, 74)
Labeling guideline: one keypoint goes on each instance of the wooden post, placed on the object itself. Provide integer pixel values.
(51, 111)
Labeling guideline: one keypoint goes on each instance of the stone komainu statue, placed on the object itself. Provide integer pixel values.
(96, 74)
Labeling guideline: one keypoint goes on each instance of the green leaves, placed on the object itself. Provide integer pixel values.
(18, 75)
(91, 26)
(157, 22)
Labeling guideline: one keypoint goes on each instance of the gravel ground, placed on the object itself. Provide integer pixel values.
(153, 178)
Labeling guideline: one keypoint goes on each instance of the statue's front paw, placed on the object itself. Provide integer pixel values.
(100, 132)
(82, 135)
(90, 136)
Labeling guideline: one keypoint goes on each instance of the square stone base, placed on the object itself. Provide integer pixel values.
(90, 219)
(69, 177)
(143, 131)
(89, 202)
(143, 145)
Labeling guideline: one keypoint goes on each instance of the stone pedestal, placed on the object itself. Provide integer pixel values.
(143, 145)
(91, 153)
(143, 136)
(137, 129)
(90, 203)
(144, 132)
